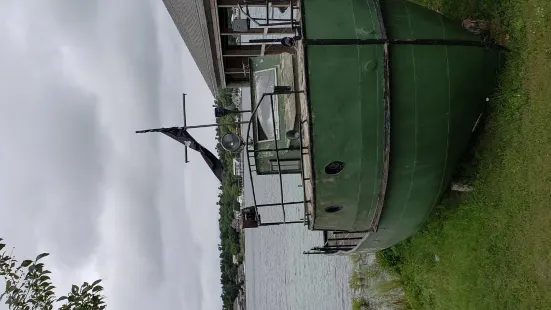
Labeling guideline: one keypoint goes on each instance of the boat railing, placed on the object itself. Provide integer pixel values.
(252, 153)
(338, 242)
(268, 22)
(303, 178)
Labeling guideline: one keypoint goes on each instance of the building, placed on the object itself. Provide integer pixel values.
(213, 31)
(237, 168)
(237, 100)
(240, 273)
(239, 303)
(236, 223)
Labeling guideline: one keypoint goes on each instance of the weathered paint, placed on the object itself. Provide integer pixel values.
(347, 123)
(437, 93)
(329, 19)
(432, 120)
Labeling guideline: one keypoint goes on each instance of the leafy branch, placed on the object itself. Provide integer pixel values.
(28, 287)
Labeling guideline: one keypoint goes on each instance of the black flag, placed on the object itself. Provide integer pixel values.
(181, 135)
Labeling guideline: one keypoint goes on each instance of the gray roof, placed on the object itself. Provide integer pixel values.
(193, 20)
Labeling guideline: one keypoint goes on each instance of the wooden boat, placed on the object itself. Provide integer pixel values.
(392, 92)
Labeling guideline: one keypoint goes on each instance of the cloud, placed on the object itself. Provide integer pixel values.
(52, 164)
(76, 80)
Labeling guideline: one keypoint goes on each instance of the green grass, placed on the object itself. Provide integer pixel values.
(355, 281)
(494, 244)
(355, 259)
(359, 304)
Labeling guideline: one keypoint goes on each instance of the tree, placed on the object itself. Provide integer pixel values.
(229, 192)
(28, 287)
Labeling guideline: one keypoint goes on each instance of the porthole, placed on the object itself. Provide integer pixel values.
(334, 167)
(333, 209)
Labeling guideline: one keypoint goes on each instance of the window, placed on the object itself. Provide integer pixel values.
(287, 165)
(264, 82)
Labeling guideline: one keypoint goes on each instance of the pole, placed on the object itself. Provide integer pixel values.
(280, 223)
(185, 123)
(192, 127)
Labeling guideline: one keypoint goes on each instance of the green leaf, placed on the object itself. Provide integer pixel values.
(26, 263)
(40, 256)
(97, 288)
(44, 278)
(62, 298)
(2, 245)
(74, 289)
(96, 282)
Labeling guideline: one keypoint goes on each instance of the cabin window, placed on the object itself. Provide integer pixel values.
(264, 82)
(289, 165)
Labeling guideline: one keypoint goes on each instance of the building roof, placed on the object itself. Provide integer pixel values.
(193, 19)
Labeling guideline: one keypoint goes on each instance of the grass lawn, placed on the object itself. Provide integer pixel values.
(491, 249)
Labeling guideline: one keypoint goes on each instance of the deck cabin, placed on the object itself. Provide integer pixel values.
(275, 123)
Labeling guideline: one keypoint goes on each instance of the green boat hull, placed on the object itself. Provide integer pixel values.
(397, 108)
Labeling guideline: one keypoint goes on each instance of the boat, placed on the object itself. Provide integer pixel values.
(374, 111)
(392, 92)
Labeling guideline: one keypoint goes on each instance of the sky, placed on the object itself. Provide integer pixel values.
(77, 78)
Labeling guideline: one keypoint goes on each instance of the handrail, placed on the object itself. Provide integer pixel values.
(253, 115)
(251, 120)
(306, 214)
(277, 156)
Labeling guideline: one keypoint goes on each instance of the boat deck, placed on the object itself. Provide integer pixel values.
(340, 239)
(304, 116)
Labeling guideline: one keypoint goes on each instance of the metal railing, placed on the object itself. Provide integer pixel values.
(334, 242)
(253, 152)
(292, 22)
(338, 242)
(303, 179)
(243, 7)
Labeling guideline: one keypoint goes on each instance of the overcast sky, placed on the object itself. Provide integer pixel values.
(77, 78)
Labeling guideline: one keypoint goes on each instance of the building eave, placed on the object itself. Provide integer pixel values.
(218, 42)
